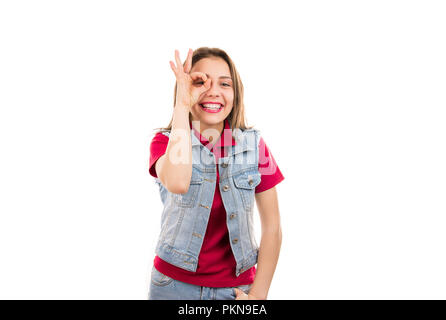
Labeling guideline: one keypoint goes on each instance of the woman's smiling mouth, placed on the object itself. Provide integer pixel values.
(211, 107)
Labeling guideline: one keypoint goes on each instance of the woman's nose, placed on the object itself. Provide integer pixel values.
(214, 88)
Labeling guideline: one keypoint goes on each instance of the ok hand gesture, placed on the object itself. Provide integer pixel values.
(188, 93)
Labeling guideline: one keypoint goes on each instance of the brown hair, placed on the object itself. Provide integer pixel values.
(236, 117)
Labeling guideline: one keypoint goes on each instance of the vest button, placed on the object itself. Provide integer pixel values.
(250, 182)
(225, 188)
(235, 240)
(224, 165)
(232, 216)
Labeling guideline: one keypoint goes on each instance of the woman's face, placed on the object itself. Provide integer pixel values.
(220, 91)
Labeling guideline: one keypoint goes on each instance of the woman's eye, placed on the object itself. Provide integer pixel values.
(201, 82)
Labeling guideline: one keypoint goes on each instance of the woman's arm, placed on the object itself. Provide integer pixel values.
(268, 206)
(174, 168)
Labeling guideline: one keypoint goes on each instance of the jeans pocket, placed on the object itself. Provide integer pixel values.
(245, 288)
(159, 279)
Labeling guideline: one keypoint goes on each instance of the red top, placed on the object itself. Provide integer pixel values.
(216, 263)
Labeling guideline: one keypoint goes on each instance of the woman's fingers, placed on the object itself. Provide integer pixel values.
(177, 59)
(179, 66)
(240, 294)
(172, 65)
(198, 75)
(207, 81)
(188, 65)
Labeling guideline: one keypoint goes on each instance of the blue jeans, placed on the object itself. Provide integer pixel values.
(163, 287)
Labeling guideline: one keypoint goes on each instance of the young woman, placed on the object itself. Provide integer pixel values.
(209, 167)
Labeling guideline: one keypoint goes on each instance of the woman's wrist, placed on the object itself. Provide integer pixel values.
(182, 106)
(181, 116)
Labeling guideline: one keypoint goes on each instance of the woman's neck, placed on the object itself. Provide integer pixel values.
(210, 132)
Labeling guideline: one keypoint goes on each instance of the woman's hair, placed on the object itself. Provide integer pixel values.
(236, 117)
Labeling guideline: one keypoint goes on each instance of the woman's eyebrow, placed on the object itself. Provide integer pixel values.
(221, 77)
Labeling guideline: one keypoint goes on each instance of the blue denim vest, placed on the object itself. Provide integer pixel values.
(185, 216)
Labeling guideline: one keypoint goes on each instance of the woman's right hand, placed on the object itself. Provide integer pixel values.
(188, 91)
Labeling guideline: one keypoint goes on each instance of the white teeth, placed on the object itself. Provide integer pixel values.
(212, 106)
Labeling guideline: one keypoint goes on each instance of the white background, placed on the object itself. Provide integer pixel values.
(349, 96)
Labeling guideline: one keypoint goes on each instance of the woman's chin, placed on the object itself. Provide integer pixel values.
(211, 121)
(208, 118)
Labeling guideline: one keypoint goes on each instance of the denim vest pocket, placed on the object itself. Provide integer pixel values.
(189, 198)
(246, 182)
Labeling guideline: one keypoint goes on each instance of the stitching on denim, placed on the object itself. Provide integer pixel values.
(178, 225)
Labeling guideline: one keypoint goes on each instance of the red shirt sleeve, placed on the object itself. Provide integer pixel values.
(158, 147)
(270, 172)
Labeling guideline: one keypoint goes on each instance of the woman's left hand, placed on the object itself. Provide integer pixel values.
(240, 295)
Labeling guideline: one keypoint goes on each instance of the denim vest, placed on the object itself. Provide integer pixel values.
(185, 216)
